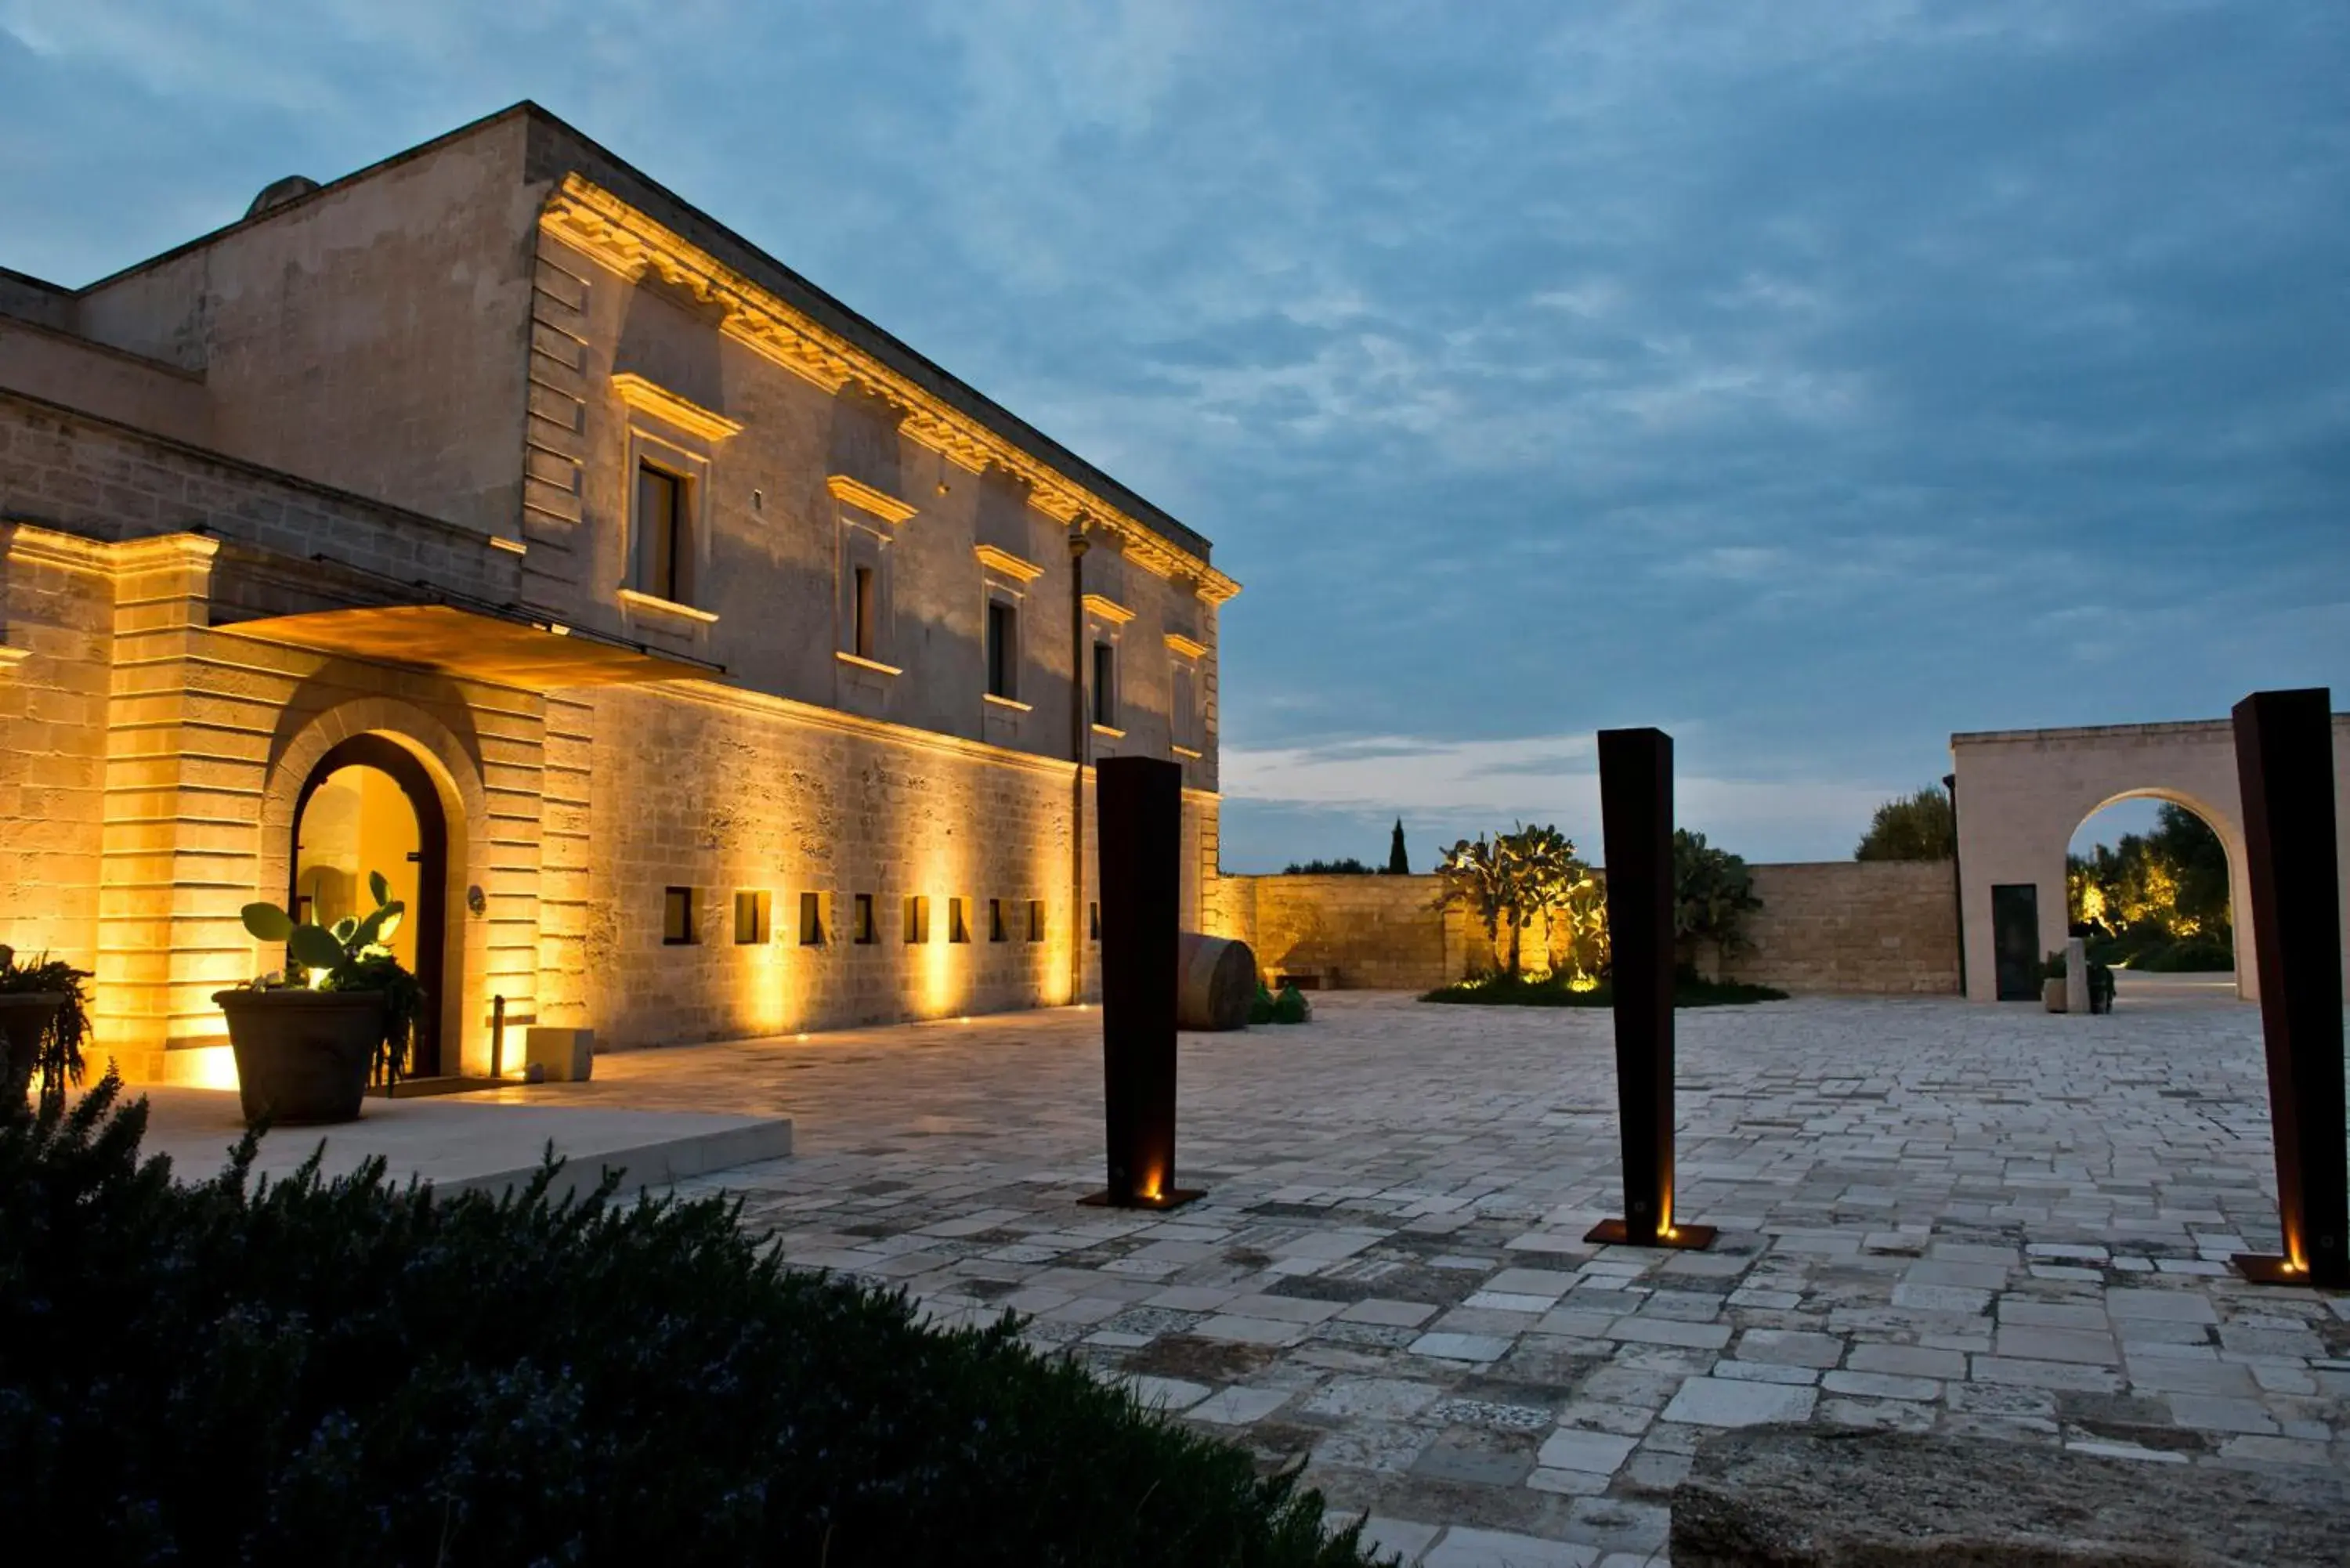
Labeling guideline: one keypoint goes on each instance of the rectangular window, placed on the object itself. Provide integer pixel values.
(1002, 649)
(677, 917)
(811, 919)
(661, 542)
(750, 911)
(1185, 722)
(1036, 920)
(862, 609)
(918, 920)
(1106, 685)
(865, 934)
(1093, 923)
(996, 920)
(958, 919)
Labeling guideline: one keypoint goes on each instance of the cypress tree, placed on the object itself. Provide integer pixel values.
(1398, 864)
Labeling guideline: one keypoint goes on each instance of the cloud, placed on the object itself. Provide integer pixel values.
(1802, 373)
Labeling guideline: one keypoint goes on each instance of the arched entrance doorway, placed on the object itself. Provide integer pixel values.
(368, 805)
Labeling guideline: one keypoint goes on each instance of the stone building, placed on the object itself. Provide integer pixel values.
(699, 660)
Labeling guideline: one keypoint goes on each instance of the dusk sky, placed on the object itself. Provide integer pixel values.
(1811, 380)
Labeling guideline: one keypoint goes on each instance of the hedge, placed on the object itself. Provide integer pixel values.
(345, 1371)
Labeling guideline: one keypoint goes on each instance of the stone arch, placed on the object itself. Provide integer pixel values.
(2226, 822)
(2021, 793)
(456, 777)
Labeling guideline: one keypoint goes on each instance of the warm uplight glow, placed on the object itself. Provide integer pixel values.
(1583, 983)
(802, 1034)
(204, 1067)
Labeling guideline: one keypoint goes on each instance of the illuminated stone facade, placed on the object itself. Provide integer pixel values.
(678, 578)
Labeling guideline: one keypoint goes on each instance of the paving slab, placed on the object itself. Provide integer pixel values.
(1893, 1180)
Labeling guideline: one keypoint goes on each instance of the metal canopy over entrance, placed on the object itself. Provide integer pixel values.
(533, 656)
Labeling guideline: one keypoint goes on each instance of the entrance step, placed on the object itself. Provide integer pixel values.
(458, 1146)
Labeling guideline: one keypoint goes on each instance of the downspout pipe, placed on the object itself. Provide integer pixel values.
(1080, 752)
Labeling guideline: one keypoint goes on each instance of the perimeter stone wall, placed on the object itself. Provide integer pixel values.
(1829, 926)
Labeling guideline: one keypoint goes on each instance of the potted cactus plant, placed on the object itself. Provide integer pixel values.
(44, 1019)
(308, 1038)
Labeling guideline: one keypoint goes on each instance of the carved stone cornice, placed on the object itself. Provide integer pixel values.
(1108, 609)
(598, 223)
(1005, 562)
(864, 497)
(650, 398)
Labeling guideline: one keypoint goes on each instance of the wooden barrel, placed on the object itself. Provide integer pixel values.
(1215, 982)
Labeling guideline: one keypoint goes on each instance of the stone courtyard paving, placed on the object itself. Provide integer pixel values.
(1967, 1218)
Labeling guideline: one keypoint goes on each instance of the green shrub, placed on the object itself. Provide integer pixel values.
(1919, 826)
(1289, 1007)
(1713, 892)
(2192, 956)
(1557, 990)
(349, 1371)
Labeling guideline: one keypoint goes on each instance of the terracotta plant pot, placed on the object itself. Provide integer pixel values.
(2051, 993)
(302, 1056)
(24, 1015)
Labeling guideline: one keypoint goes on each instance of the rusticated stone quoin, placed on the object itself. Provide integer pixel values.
(1787, 1497)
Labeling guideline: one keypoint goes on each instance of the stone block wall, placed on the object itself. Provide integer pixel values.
(56, 643)
(723, 792)
(1832, 926)
(82, 473)
(1873, 927)
(1370, 932)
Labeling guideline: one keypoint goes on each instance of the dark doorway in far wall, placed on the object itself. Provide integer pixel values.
(2016, 940)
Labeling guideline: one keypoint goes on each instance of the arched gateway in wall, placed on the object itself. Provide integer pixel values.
(2022, 793)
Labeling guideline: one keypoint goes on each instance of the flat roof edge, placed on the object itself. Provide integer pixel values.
(2105, 731)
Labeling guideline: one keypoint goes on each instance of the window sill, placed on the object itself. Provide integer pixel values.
(633, 599)
(1111, 730)
(1186, 752)
(862, 662)
(1011, 702)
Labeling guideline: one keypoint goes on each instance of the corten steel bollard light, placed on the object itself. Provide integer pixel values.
(1138, 827)
(1636, 818)
(2284, 763)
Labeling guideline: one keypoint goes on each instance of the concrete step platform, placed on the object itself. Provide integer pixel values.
(456, 1145)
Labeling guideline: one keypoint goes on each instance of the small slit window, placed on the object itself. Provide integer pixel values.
(1093, 923)
(752, 909)
(811, 919)
(863, 915)
(918, 920)
(677, 917)
(1036, 920)
(958, 919)
(996, 920)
